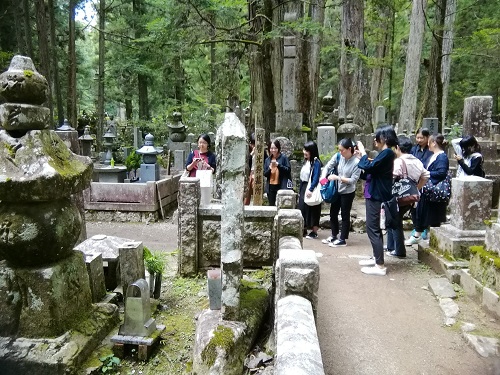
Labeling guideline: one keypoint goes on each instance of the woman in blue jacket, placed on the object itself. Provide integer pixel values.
(432, 213)
(380, 190)
(310, 170)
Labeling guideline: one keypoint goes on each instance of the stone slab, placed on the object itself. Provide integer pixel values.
(442, 288)
(447, 239)
(484, 346)
(491, 302)
(438, 264)
(449, 307)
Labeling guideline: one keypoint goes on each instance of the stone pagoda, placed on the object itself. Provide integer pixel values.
(47, 321)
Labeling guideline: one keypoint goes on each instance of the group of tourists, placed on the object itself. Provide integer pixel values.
(424, 163)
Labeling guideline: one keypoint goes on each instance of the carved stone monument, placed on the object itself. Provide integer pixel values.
(139, 328)
(44, 287)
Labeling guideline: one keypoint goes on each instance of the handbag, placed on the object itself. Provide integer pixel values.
(440, 192)
(330, 190)
(315, 198)
(405, 189)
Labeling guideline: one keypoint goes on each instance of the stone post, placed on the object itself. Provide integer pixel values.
(286, 199)
(470, 202)
(131, 259)
(432, 124)
(188, 200)
(232, 167)
(287, 223)
(471, 205)
(477, 116)
(258, 166)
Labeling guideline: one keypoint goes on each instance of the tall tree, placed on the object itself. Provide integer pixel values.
(414, 50)
(54, 64)
(43, 47)
(260, 66)
(27, 28)
(354, 96)
(449, 21)
(432, 98)
(142, 79)
(100, 84)
(71, 100)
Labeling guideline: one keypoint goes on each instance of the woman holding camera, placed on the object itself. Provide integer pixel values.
(201, 159)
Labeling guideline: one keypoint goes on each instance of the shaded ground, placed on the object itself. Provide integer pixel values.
(366, 324)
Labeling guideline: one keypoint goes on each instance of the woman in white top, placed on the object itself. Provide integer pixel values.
(347, 175)
(468, 155)
(415, 170)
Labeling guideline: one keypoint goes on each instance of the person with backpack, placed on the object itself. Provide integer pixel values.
(468, 155)
(342, 167)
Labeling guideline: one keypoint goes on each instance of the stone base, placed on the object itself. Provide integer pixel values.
(455, 242)
(492, 240)
(61, 355)
(144, 345)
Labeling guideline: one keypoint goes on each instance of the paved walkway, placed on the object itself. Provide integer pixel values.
(366, 324)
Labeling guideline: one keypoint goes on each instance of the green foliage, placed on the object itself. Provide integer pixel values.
(110, 364)
(133, 161)
(155, 262)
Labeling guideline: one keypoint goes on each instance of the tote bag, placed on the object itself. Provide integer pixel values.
(405, 189)
(315, 198)
(440, 192)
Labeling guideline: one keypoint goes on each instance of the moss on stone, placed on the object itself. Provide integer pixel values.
(253, 303)
(28, 73)
(485, 255)
(60, 156)
(223, 338)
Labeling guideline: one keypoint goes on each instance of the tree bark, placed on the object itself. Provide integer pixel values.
(43, 46)
(71, 101)
(412, 72)
(262, 89)
(432, 99)
(142, 79)
(27, 28)
(354, 90)
(449, 21)
(56, 88)
(100, 82)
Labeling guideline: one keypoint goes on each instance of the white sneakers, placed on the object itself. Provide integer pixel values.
(412, 240)
(375, 270)
(329, 240)
(371, 268)
(367, 262)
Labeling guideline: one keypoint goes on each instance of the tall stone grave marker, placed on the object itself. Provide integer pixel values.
(432, 124)
(477, 116)
(232, 166)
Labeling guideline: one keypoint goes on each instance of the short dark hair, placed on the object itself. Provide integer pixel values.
(469, 145)
(424, 131)
(387, 135)
(405, 144)
(347, 143)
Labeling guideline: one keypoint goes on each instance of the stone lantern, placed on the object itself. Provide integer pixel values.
(66, 126)
(86, 140)
(109, 139)
(150, 170)
(177, 128)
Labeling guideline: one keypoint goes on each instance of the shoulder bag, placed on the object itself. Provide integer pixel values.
(405, 189)
(315, 198)
(440, 192)
(330, 190)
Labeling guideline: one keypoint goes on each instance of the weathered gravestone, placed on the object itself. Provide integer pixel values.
(139, 329)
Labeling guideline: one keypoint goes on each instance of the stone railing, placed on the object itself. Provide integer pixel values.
(296, 300)
(199, 237)
(132, 201)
